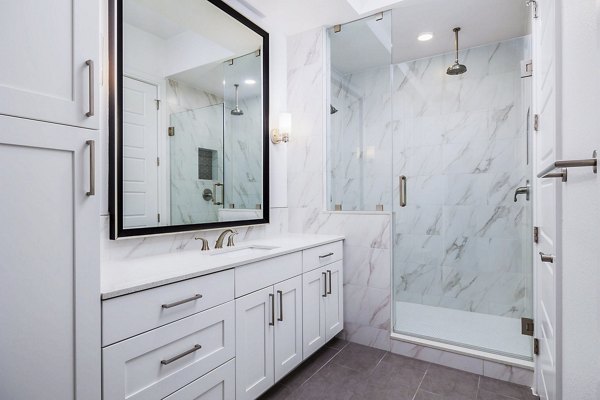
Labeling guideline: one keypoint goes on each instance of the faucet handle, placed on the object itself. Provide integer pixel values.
(204, 243)
(230, 242)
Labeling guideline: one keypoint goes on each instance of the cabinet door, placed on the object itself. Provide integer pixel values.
(334, 302)
(45, 46)
(49, 263)
(255, 315)
(288, 326)
(313, 310)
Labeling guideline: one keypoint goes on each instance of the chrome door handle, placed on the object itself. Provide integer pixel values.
(272, 301)
(92, 144)
(547, 258)
(329, 277)
(402, 191)
(90, 64)
(280, 293)
(185, 353)
(325, 284)
(180, 302)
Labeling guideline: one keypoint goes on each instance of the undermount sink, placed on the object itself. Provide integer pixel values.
(242, 251)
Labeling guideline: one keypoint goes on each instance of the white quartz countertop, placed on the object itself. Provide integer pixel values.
(135, 274)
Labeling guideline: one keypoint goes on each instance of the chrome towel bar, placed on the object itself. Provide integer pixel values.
(564, 164)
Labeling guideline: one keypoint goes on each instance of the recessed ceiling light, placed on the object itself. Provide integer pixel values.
(249, 81)
(425, 36)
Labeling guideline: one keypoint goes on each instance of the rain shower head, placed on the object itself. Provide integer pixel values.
(332, 109)
(456, 68)
(236, 110)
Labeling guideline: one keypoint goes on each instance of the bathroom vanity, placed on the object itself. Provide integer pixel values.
(224, 323)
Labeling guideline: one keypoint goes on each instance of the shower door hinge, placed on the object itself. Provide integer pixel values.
(158, 217)
(171, 131)
(536, 122)
(536, 346)
(527, 326)
(536, 234)
(157, 104)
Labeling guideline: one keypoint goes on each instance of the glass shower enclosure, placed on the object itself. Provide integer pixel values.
(445, 154)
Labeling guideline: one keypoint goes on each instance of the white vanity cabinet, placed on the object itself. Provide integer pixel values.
(50, 68)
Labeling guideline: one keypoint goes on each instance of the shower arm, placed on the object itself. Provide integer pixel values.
(456, 43)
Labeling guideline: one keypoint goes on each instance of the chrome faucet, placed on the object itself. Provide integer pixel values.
(204, 243)
(221, 238)
(523, 190)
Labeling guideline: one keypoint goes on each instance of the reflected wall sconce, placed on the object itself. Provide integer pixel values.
(282, 133)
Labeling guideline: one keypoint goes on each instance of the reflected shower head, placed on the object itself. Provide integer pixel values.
(456, 68)
(332, 109)
(236, 110)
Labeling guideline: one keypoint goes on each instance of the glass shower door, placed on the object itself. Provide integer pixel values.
(462, 263)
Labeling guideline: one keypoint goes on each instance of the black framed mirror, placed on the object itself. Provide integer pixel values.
(188, 116)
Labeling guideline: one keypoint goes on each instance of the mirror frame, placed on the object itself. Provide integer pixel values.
(115, 117)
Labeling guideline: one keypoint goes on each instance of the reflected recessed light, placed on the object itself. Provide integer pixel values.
(249, 81)
(425, 36)
(224, 83)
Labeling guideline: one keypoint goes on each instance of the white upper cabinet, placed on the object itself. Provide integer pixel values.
(50, 61)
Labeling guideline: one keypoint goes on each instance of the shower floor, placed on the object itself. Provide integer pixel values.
(485, 332)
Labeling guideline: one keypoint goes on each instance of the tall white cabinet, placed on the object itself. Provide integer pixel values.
(49, 240)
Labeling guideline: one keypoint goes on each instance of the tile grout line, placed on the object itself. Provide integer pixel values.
(420, 383)
(323, 366)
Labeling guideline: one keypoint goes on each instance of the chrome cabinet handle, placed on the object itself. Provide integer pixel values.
(272, 301)
(90, 64)
(329, 277)
(214, 199)
(280, 293)
(180, 302)
(185, 353)
(92, 144)
(326, 255)
(547, 258)
(325, 284)
(402, 191)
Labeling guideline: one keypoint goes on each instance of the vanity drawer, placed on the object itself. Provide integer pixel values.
(252, 277)
(127, 316)
(322, 255)
(157, 363)
(218, 384)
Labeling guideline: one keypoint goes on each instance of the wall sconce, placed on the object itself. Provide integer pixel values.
(282, 134)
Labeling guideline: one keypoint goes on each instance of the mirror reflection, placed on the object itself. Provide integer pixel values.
(192, 115)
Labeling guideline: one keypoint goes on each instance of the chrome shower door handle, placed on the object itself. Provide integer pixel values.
(92, 144)
(402, 191)
(90, 64)
(547, 258)
(214, 198)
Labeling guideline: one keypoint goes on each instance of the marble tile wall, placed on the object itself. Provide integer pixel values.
(367, 248)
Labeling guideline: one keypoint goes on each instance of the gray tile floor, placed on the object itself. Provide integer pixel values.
(343, 370)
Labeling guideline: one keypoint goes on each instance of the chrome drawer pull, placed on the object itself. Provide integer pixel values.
(547, 258)
(329, 276)
(272, 301)
(180, 302)
(90, 64)
(280, 293)
(185, 353)
(325, 284)
(326, 255)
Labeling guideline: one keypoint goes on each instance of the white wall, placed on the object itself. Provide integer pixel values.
(581, 200)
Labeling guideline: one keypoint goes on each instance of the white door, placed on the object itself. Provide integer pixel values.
(288, 326)
(313, 310)
(334, 303)
(254, 366)
(44, 48)
(49, 263)
(547, 196)
(140, 154)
